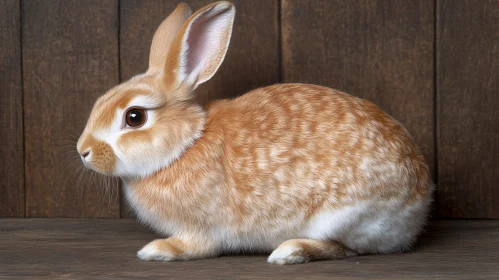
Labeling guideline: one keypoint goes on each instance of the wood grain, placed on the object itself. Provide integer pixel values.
(105, 249)
(251, 62)
(468, 108)
(70, 57)
(380, 50)
(11, 116)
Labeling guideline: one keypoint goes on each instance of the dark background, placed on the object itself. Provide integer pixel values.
(432, 64)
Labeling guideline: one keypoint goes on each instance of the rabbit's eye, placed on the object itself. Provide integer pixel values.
(135, 117)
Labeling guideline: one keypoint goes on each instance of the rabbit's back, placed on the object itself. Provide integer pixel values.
(321, 164)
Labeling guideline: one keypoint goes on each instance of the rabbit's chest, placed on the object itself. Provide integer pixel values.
(149, 211)
(170, 212)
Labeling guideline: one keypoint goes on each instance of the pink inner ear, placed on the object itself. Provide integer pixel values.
(203, 40)
(196, 43)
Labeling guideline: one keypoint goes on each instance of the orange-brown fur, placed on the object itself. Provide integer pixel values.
(235, 138)
(278, 163)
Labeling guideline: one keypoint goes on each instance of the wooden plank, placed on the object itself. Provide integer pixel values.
(379, 50)
(103, 249)
(70, 57)
(251, 62)
(11, 118)
(468, 108)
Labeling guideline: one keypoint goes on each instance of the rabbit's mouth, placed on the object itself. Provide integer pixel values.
(99, 167)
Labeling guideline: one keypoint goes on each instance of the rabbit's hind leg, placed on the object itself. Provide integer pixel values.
(304, 250)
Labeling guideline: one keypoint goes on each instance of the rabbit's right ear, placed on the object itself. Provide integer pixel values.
(200, 46)
(165, 35)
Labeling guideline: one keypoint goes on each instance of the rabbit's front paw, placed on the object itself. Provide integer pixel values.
(157, 250)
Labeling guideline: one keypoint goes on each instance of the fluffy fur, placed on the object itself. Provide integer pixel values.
(307, 171)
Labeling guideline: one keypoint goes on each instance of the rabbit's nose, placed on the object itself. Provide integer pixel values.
(85, 154)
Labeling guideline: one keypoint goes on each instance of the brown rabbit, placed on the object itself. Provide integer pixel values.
(306, 171)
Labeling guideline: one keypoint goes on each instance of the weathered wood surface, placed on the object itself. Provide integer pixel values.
(468, 108)
(70, 57)
(11, 113)
(105, 249)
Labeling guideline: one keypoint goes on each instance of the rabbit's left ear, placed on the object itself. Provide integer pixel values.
(165, 35)
(200, 46)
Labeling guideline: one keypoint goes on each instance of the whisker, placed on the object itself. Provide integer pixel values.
(79, 185)
(101, 191)
(72, 136)
(67, 146)
(71, 165)
(116, 182)
(110, 190)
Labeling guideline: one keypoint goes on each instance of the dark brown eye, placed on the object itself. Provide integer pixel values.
(135, 117)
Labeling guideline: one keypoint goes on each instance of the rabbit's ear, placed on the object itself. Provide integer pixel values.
(200, 46)
(165, 35)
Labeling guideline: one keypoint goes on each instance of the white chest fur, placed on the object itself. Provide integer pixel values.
(149, 214)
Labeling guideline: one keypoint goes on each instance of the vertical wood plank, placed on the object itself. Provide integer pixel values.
(380, 50)
(251, 62)
(11, 118)
(70, 57)
(468, 108)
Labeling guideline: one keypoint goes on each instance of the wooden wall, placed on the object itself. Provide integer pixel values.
(432, 64)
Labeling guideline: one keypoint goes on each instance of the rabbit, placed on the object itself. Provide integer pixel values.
(300, 171)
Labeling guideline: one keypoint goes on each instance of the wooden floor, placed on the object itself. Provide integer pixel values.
(104, 249)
